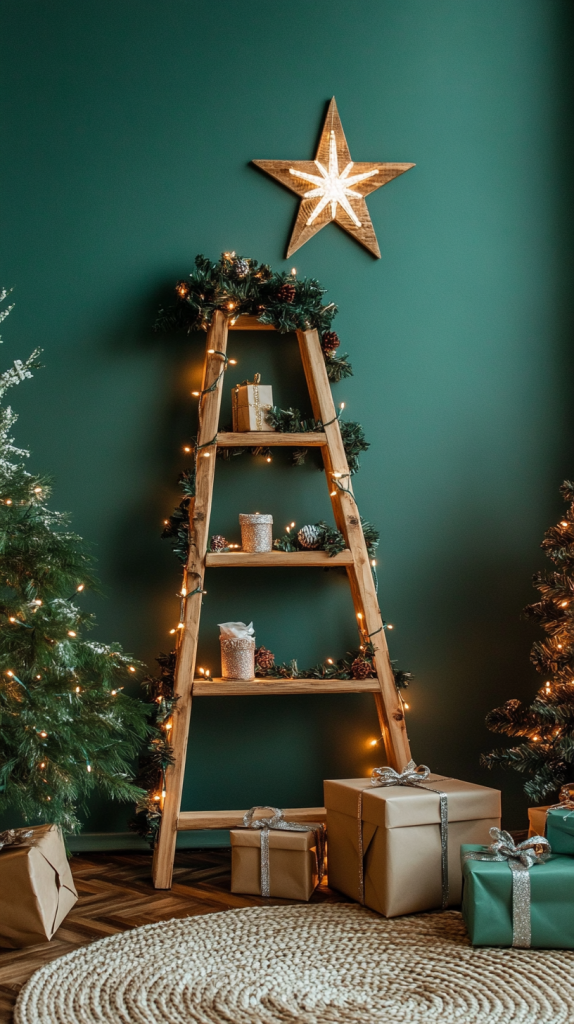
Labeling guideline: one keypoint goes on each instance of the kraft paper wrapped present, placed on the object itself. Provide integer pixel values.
(537, 820)
(489, 903)
(250, 404)
(401, 838)
(556, 822)
(280, 862)
(36, 887)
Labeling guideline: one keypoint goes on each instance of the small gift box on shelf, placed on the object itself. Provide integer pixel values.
(250, 403)
(394, 839)
(256, 531)
(518, 895)
(237, 643)
(274, 857)
(36, 885)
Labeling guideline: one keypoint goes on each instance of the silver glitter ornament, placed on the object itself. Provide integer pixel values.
(310, 537)
(256, 532)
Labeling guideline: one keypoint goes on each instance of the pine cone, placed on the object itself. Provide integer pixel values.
(218, 542)
(286, 292)
(241, 267)
(264, 659)
(309, 537)
(361, 669)
(182, 288)
(330, 342)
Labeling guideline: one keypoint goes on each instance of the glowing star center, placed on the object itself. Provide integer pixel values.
(333, 188)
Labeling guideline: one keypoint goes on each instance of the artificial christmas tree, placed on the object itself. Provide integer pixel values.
(546, 727)
(66, 726)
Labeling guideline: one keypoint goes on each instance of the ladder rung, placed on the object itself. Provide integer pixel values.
(266, 687)
(270, 438)
(249, 323)
(274, 558)
(188, 820)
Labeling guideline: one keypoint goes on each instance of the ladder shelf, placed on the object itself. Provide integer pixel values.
(354, 558)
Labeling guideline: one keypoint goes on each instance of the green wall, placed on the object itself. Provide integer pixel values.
(127, 134)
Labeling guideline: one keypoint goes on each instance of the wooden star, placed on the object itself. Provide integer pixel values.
(332, 187)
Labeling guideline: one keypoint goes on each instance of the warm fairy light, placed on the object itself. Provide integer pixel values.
(37, 490)
(405, 705)
(207, 673)
(329, 661)
(38, 677)
(332, 494)
(337, 476)
(211, 351)
(43, 734)
(374, 562)
(180, 625)
(564, 603)
(114, 693)
(206, 455)
(359, 615)
(168, 726)
(196, 394)
(187, 448)
(342, 405)
(563, 523)
(42, 764)
(269, 459)
(88, 767)
(373, 743)
(157, 798)
(11, 619)
(172, 630)
(293, 272)
(9, 672)
(163, 793)
(390, 627)
(37, 601)
(536, 738)
(71, 632)
(8, 501)
(131, 668)
(77, 689)
(232, 362)
(559, 647)
(202, 671)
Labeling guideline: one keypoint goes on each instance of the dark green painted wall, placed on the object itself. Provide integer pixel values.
(127, 134)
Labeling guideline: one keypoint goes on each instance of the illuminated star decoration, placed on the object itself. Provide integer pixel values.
(335, 195)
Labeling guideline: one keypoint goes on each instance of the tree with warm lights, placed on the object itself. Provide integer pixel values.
(66, 726)
(546, 727)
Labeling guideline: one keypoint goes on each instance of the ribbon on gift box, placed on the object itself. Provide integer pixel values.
(278, 821)
(566, 798)
(520, 858)
(412, 775)
(15, 837)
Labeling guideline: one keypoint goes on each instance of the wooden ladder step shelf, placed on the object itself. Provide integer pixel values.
(354, 558)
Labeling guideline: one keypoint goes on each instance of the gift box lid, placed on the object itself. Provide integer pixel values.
(279, 839)
(401, 806)
(244, 394)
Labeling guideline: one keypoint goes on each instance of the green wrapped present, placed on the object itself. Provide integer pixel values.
(518, 895)
(560, 829)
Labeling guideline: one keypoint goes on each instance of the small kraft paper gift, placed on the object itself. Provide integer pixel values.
(36, 885)
(519, 895)
(274, 857)
(556, 822)
(250, 403)
(394, 839)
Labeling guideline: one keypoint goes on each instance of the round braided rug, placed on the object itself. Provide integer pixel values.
(310, 965)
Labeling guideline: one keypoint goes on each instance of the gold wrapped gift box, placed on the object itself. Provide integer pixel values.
(402, 840)
(36, 888)
(293, 867)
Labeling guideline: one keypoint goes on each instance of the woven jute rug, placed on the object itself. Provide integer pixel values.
(311, 965)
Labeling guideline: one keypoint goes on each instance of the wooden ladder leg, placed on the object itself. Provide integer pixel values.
(347, 518)
(199, 515)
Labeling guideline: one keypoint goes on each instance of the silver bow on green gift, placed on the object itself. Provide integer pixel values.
(412, 775)
(520, 857)
(278, 821)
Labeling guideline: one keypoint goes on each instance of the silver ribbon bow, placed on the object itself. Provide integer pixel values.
(277, 821)
(520, 858)
(412, 775)
(15, 837)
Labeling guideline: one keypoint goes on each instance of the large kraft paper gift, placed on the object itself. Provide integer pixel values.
(273, 857)
(403, 864)
(518, 894)
(250, 404)
(36, 886)
(556, 822)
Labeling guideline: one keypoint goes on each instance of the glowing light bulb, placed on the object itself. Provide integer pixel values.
(11, 619)
(337, 476)
(8, 501)
(43, 734)
(37, 490)
(390, 627)
(172, 630)
(269, 459)
(564, 604)
(168, 726)
(9, 672)
(373, 743)
(333, 188)
(38, 677)
(332, 494)
(563, 523)
(71, 632)
(405, 705)
(211, 351)
(293, 272)
(231, 305)
(196, 394)
(206, 455)
(180, 625)
(42, 764)
(207, 672)
(157, 798)
(373, 563)
(77, 689)
(187, 448)
(292, 525)
(202, 671)
(131, 668)
(342, 405)
(88, 767)
(232, 362)
(329, 661)
(359, 615)
(114, 693)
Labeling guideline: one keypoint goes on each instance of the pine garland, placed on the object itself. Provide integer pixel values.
(347, 667)
(331, 539)
(546, 726)
(66, 726)
(238, 286)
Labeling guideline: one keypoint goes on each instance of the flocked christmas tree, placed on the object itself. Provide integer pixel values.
(545, 728)
(66, 726)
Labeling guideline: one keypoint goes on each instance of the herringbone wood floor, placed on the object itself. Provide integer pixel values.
(115, 893)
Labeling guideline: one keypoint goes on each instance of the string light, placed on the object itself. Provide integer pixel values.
(207, 673)
(172, 630)
(232, 362)
(389, 626)
(293, 272)
(77, 689)
(11, 619)
(180, 625)
(37, 490)
(564, 604)
(8, 501)
(88, 767)
(563, 523)
(38, 677)
(71, 633)
(187, 448)
(196, 394)
(43, 734)
(42, 764)
(269, 459)
(114, 693)
(332, 494)
(206, 455)
(168, 726)
(342, 406)
(202, 671)
(80, 587)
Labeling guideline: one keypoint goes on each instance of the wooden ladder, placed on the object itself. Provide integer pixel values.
(355, 559)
